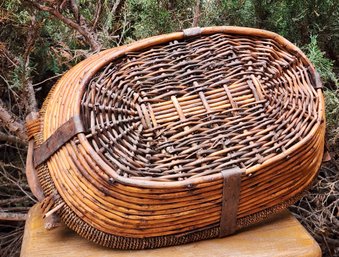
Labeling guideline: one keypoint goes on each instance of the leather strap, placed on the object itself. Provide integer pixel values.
(230, 201)
(61, 136)
(318, 83)
(191, 32)
(316, 80)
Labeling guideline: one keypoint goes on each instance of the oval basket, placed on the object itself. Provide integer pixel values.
(178, 138)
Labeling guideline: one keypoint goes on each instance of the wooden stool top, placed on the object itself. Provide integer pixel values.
(282, 235)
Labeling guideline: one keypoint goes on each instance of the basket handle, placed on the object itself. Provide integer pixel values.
(32, 127)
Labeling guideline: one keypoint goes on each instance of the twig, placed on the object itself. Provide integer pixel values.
(98, 9)
(328, 248)
(20, 209)
(11, 186)
(75, 10)
(48, 79)
(13, 200)
(13, 216)
(10, 244)
(8, 86)
(124, 30)
(115, 7)
(331, 241)
(31, 102)
(14, 60)
(11, 122)
(9, 165)
(55, 209)
(6, 176)
(12, 139)
(196, 13)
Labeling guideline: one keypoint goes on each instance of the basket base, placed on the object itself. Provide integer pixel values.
(282, 235)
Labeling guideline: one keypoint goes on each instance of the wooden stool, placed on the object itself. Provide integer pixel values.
(282, 235)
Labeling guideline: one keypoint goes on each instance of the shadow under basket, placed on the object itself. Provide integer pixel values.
(178, 138)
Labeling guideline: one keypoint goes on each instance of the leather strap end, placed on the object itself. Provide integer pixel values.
(318, 83)
(31, 174)
(230, 201)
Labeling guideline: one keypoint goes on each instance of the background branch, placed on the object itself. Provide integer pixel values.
(98, 9)
(75, 10)
(32, 34)
(196, 13)
(89, 35)
(116, 6)
(12, 139)
(11, 122)
(13, 216)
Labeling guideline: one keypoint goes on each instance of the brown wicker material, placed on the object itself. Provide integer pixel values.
(163, 119)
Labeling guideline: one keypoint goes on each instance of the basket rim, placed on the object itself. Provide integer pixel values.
(84, 73)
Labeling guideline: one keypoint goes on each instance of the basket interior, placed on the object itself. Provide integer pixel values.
(198, 106)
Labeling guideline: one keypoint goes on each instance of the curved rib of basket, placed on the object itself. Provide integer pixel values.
(134, 213)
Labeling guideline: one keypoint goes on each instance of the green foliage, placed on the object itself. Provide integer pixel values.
(15, 78)
(223, 13)
(323, 65)
(149, 18)
(325, 68)
(332, 115)
(295, 20)
(20, 15)
(154, 17)
(298, 20)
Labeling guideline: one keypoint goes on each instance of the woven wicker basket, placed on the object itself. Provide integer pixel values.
(178, 138)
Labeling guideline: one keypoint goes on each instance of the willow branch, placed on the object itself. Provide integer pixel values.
(12, 139)
(75, 10)
(11, 122)
(4, 202)
(89, 36)
(14, 60)
(97, 14)
(196, 13)
(116, 6)
(6, 166)
(32, 105)
(13, 216)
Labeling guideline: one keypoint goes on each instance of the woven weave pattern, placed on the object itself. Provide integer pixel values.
(195, 107)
